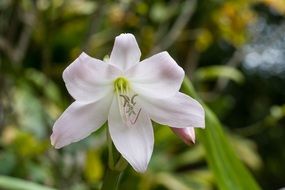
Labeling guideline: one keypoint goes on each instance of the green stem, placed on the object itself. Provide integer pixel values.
(111, 153)
(116, 165)
(121, 164)
(111, 179)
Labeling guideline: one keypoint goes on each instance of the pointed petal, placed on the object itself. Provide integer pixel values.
(158, 76)
(126, 51)
(135, 142)
(79, 120)
(186, 134)
(88, 79)
(178, 111)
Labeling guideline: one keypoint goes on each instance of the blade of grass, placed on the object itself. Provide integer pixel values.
(230, 173)
(11, 183)
(216, 71)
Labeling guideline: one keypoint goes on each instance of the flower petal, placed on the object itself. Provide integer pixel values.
(158, 76)
(135, 142)
(186, 134)
(79, 120)
(178, 111)
(126, 51)
(88, 79)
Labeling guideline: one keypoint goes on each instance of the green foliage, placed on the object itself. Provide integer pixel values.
(38, 39)
(215, 72)
(227, 168)
(10, 183)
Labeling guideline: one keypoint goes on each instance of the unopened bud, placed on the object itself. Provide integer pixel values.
(186, 134)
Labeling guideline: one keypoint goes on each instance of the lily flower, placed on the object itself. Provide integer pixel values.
(128, 93)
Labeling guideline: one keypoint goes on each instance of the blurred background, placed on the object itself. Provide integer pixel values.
(232, 50)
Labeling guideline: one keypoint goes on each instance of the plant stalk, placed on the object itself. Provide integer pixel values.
(116, 165)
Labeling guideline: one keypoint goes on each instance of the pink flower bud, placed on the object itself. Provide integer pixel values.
(186, 134)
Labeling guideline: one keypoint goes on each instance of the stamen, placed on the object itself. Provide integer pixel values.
(129, 108)
(126, 100)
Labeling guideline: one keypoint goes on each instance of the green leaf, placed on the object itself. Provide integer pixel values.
(170, 181)
(216, 71)
(11, 183)
(229, 171)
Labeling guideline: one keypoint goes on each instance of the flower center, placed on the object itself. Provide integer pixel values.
(121, 85)
(126, 98)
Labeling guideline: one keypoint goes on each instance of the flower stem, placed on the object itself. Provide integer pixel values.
(111, 179)
(116, 165)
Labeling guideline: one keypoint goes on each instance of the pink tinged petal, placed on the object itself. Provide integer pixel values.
(126, 51)
(79, 120)
(134, 142)
(178, 111)
(88, 79)
(158, 76)
(186, 134)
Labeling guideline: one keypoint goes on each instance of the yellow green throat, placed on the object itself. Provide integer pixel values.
(121, 84)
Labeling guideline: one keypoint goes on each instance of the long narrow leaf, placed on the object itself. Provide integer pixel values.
(11, 183)
(216, 71)
(229, 171)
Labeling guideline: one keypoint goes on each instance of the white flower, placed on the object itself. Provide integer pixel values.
(129, 94)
